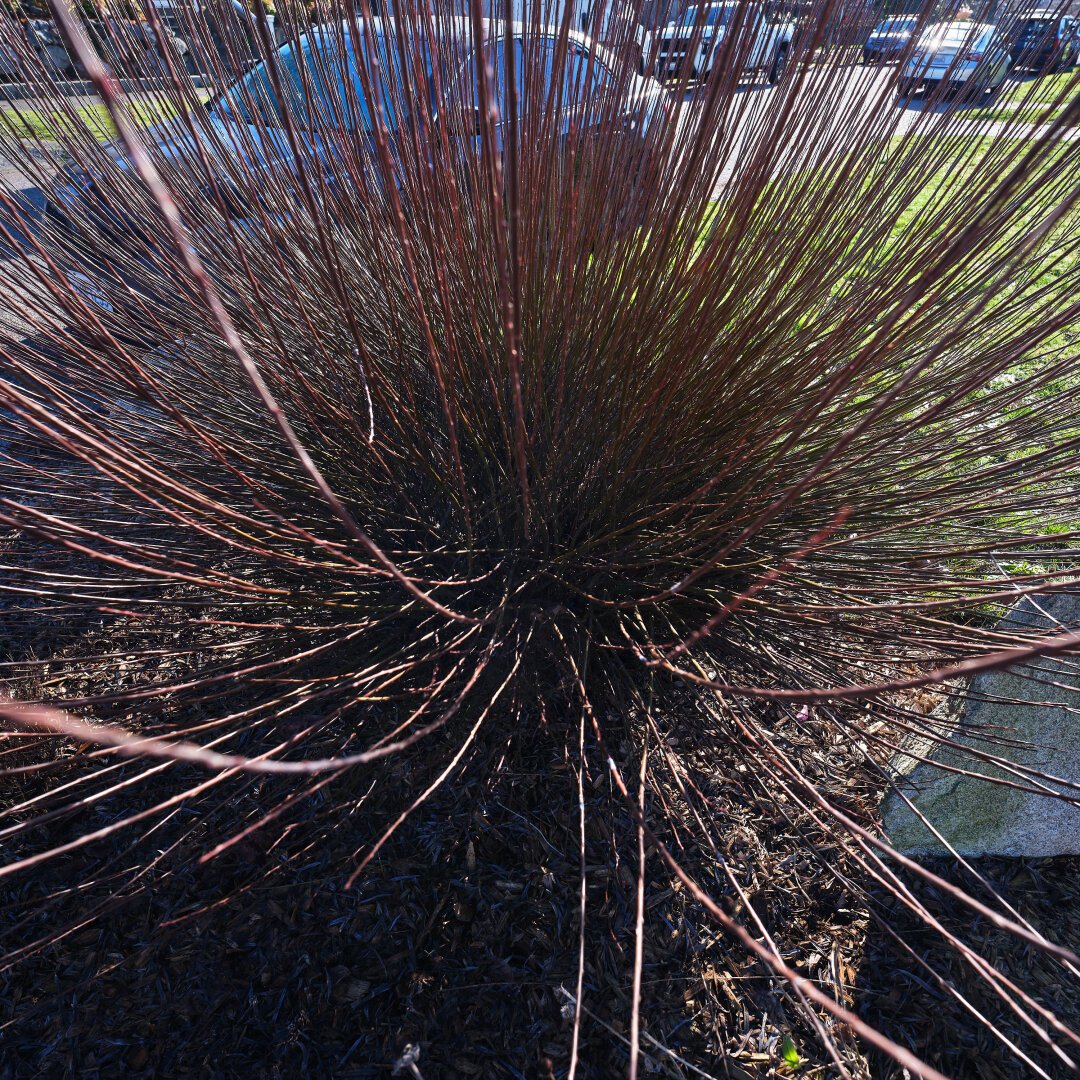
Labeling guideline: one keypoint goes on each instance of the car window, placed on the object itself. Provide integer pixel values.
(502, 75)
(253, 99)
(950, 35)
(468, 89)
(583, 73)
(335, 89)
(713, 15)
(348, 105)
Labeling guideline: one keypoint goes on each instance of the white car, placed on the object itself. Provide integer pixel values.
(694, 42)
(958, 55)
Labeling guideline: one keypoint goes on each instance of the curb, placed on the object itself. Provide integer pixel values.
(85, 88)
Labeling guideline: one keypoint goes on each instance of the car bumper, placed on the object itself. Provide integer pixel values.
(954, 74)
(674, 60)
(886, 50)
(1034, 58)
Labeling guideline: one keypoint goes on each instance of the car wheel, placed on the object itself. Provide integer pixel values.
(776, 72)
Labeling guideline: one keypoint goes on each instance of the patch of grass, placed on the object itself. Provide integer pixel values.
(1046, 88)
(929, 209)
(1032, 101)
(49, 124)
(1035, 114)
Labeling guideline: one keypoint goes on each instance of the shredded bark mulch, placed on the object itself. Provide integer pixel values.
(462, 939)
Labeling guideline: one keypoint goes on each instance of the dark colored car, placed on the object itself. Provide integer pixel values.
(1045, 40)
(889, 38)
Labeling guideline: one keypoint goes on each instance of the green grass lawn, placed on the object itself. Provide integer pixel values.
(48, 124)
(1033, 101)
(1054, 255)
(923, 206)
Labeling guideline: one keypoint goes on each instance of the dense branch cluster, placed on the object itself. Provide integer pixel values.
(345, 419)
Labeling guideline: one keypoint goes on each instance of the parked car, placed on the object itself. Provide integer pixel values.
(960, 55)
(178, 16)
(693, 43)
(588, 66)
(889, 38)
(9, 63)
(246, 121)
(1045, 40)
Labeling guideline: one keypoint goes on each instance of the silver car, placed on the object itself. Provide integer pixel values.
(959, 55)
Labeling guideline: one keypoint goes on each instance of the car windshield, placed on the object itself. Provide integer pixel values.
(951, 36)
(582, 72)
(713, 15)
(320, 86)
(252, 99)
(1038, 26)
(894, 26)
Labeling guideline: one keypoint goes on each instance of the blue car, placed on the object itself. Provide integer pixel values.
(244, 124)
(889, 38)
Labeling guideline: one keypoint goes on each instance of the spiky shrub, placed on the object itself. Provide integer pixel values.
(389, 418)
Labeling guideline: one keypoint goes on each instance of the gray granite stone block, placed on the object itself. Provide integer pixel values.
(982, 818)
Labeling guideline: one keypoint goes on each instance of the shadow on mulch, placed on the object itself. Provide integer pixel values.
(463, 937)
(459, 941)
(905, 1001)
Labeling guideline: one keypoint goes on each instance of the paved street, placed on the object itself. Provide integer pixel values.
(859, 105)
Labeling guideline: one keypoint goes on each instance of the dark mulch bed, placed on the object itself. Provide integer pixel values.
(910, 1005)
(463, 937)
(459, 942)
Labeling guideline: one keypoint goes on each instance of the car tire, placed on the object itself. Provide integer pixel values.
(53, 215)
(779, 66)
(905, 88)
